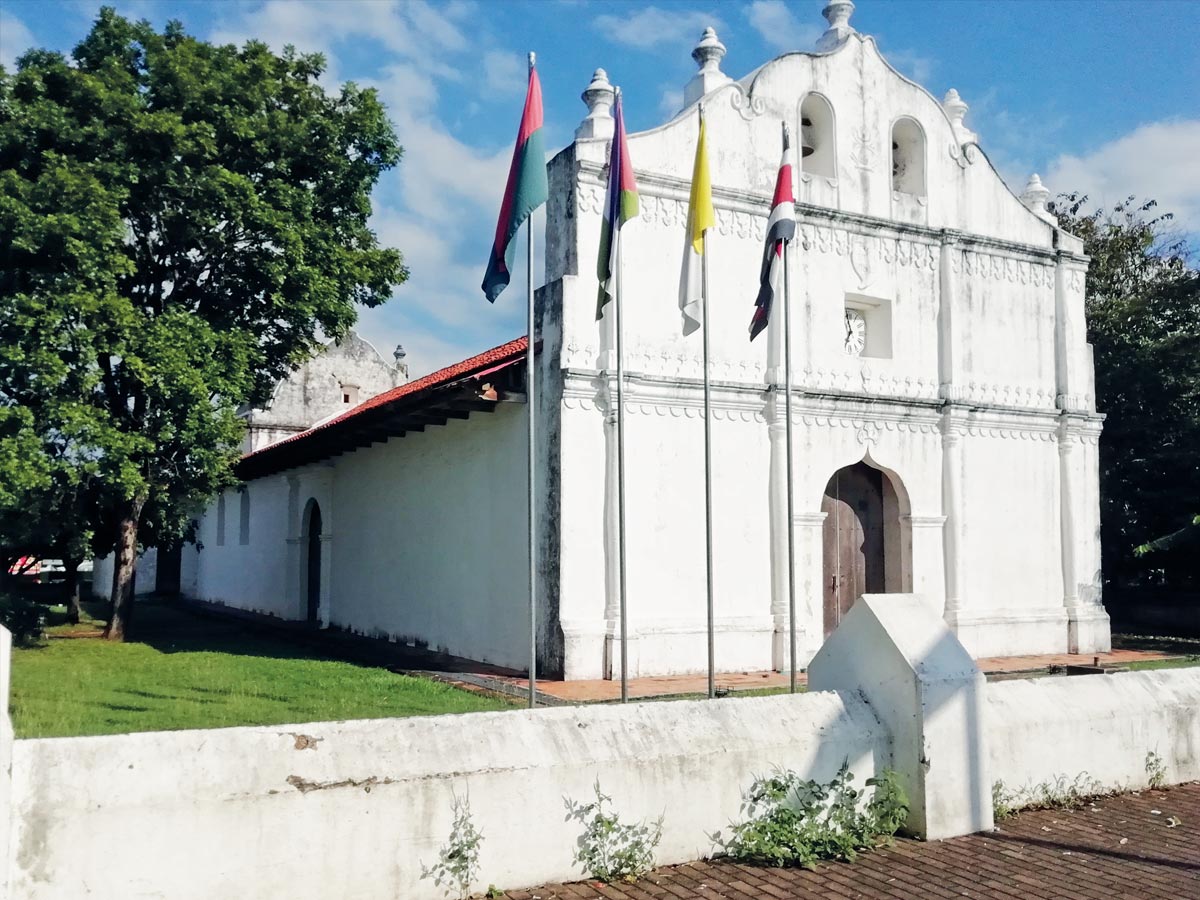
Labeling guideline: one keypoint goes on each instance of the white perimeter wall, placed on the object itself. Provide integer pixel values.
(1104, 725)
(353, 809)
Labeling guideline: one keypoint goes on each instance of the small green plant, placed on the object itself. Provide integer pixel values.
(458, 859)
(794, 821)
(1156, 770)
(608, 849)
(1061, 792)
(24, 618)
(1002, 801)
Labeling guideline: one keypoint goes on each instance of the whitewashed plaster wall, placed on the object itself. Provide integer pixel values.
(423, 540)
(429, 538)
(981, 377)
(1100, 726)
(252, 575)
(353, 809)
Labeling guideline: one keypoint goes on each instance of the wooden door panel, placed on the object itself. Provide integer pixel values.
(853, 539)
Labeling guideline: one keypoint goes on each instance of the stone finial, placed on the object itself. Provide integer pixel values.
(1035, 196)
(956, 108)
(599, 97)
(399, 353)
(707, 54)
(837, 14)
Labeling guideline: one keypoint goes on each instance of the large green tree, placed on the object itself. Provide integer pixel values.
(1143, 314)
(180, 224)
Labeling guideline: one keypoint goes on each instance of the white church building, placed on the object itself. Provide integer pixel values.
(943, 410)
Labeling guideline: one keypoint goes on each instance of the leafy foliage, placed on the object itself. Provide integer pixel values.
(23, 617)
(180, 224)
(609, 849)
(1062, 792)
(1143, 313)
(458, 859)
(794, 821)
(1156, 770)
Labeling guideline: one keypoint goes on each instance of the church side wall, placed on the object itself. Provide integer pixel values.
(247, 576)
(428, 538)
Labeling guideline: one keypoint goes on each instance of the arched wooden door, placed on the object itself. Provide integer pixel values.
(313, 564)
(853, 539)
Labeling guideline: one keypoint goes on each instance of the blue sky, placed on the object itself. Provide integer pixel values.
(1096, 95)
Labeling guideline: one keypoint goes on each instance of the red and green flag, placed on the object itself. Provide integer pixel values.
(526, 190)
(781, 228)
(621, 205)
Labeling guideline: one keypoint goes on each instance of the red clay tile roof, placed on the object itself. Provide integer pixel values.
(292, 451)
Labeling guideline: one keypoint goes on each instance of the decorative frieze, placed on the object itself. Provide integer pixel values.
(995, 267)
(1010, 395)
(864, 249)
(867, 430)
(865, 380)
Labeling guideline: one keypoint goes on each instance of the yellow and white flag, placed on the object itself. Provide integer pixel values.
(700, 218)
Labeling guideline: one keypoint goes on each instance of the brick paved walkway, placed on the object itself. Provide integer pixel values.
(1120, 848)
(604, 689)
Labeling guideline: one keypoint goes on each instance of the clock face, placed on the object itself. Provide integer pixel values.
(856, 332)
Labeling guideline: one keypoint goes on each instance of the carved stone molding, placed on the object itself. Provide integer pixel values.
(994, 267)
(867, 430)
(809, 519)
(867, 381)
(748, 107)
(1013, 432)
(864, 250)
(924, 521)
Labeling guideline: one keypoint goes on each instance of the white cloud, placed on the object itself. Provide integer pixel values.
(1156, 161)
(670, 102)
(652, 26)
(15, 39)
(505, 72)
(779, 28)
(916, 67)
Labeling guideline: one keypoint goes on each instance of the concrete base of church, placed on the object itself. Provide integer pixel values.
(1089, 631)
(1002, 632)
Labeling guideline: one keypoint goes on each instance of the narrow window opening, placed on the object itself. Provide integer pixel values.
(908, 158)
(818, 154)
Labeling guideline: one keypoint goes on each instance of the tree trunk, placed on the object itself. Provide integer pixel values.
(124, 564)
(71, 588)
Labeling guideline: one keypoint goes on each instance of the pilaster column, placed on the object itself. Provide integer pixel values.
(291, 574)
(1088, 628)
(954, 533)
(1067, 443)
(947, 292)
(326, 607)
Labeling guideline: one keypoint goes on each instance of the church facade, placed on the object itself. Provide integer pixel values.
(945, 431)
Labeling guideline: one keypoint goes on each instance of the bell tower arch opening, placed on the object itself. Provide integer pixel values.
(866, 548)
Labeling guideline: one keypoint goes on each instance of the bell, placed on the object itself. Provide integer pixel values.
(808, 144)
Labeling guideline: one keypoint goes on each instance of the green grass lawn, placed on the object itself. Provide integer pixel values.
(190, 671)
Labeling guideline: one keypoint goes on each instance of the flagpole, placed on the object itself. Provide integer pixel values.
(531, 408)
(708, 529)
(621, 472)
(787, 410)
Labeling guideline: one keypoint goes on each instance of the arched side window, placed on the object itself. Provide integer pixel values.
(908, 157)
(818, 150)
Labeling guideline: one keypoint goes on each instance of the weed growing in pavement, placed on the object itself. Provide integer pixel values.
(458, 859)
(1156, 770)
(1061, 792)
(609, 849)
(794, 821)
